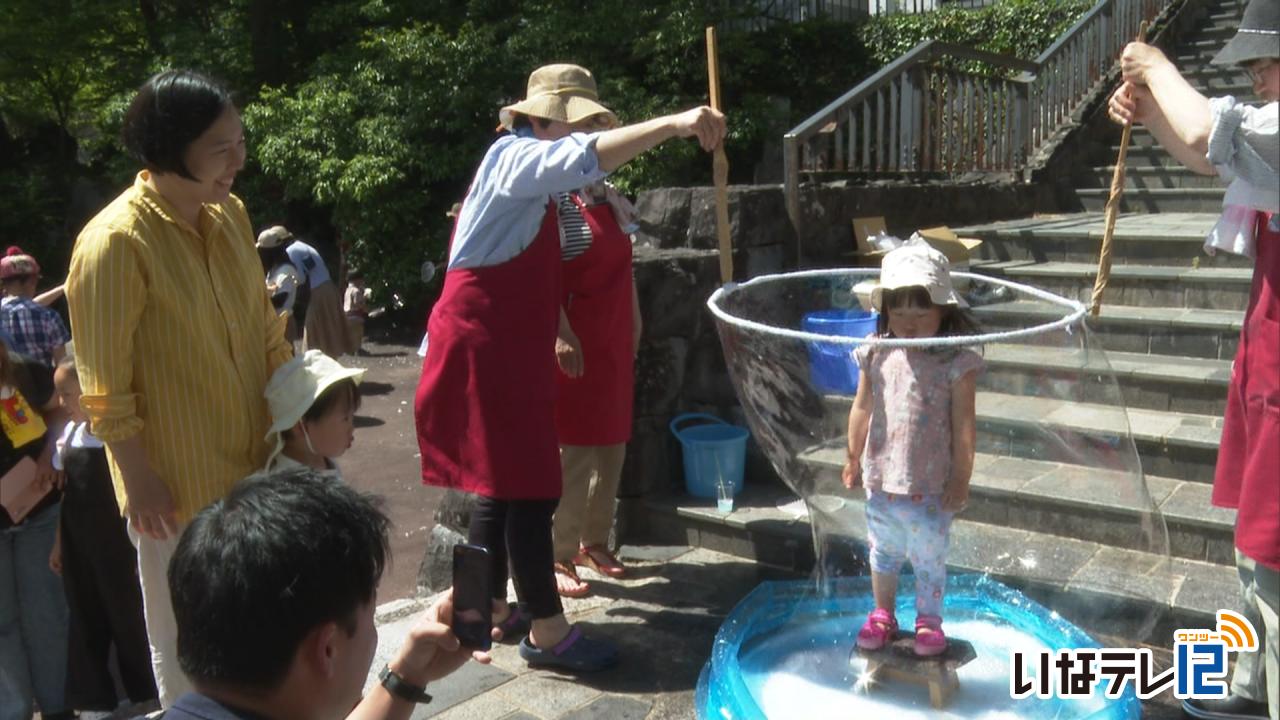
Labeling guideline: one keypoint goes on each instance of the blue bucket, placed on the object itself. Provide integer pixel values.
(831, 365)
(711, 452)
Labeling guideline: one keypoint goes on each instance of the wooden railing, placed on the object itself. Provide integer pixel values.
(920, 114)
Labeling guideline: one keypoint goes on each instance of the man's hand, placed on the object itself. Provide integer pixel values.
(432, 651)
(704, 123)
(569, 354)
(150, 508)
(1139, 61)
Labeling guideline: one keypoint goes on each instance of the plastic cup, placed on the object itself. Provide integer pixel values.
(724, 497)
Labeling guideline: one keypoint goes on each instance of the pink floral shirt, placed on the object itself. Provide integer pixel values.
(908, 448)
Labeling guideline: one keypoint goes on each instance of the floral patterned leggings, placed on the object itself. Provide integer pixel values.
(914, 527)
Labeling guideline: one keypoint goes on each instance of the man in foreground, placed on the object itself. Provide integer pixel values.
(274, 589)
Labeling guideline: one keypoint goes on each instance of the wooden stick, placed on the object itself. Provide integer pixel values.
(1112, 209)
(719, 166)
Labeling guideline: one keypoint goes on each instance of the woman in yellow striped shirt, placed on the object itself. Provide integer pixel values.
(175, 336)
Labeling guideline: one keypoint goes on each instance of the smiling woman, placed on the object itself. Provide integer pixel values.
(175, 335)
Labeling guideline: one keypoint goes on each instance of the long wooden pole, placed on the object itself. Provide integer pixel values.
(1112, 209)
(719, 166)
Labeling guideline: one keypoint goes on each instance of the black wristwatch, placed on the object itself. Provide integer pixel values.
(398, 687)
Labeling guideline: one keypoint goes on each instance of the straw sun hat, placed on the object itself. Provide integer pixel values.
(562, 92)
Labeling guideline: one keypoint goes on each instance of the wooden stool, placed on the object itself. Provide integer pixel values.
(897, 660)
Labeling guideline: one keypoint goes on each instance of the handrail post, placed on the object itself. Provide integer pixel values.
(791, 190)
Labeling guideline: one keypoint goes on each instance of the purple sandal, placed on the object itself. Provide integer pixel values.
(517, 624)
(575, 653)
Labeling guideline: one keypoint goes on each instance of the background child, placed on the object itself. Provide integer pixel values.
(355, 304)
(912, 432)
(313, 402)
(99, 569)
(33, 329)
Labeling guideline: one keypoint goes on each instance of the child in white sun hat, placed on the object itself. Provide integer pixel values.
(912, 431)
(313, 401)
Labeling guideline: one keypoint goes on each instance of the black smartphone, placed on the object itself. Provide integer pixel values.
(472, 596)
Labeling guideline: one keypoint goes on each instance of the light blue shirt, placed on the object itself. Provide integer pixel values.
(508, 198)
(308, 261)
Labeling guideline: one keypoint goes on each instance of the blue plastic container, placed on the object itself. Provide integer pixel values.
(831, 365)
(712, 452)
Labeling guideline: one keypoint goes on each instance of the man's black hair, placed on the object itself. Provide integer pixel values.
(279, 556)
(169, 112)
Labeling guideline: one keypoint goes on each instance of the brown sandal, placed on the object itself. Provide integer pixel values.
(589, 556)
(566, 572)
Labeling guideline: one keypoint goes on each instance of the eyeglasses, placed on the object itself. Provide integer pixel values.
(1256, 69)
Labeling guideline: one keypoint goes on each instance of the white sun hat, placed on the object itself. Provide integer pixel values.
(917, 264)
(295, 386)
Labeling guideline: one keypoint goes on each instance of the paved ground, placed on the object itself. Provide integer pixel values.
(384, 458)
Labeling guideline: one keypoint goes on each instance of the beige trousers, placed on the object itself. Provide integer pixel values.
(590, 476)
(355, 334)
(1257, 674)
(157, 608)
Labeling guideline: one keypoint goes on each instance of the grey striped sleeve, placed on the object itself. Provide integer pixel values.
(1244, 142)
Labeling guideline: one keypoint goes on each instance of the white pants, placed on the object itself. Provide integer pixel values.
(157, 607)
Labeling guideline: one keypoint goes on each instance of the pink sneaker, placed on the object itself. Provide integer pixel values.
(877, 630)
(931, 641)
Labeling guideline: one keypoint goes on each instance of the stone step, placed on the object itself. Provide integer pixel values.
(1142, 239)
(1180, 332)
(1160, 200)
(1137, 177)
(1070, 501)
(1150, 382)
(1209, 288)
(1087, 582)
(1171, 444)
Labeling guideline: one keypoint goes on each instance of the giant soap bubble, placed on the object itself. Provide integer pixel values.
(1061, 544)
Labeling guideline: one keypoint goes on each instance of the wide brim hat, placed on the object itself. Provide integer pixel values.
(561, 92)
(273, 237)
(916, 265)
(1258, 37)
(295, 386)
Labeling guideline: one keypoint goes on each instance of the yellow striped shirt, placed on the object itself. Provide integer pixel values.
(175, 339)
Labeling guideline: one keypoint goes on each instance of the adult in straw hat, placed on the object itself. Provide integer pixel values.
(324, 327)
(485, 405)
(1241, 143)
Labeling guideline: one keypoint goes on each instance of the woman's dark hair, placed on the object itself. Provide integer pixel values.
(955, 320)
(272, 257)
(169, 112)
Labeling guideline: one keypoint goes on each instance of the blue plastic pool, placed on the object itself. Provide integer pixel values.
(783, 653)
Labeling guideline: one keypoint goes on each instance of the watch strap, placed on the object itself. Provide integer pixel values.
(401, 688)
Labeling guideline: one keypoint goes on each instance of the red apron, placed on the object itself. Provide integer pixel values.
(486, 400)
(595, 408)
(1248, 472)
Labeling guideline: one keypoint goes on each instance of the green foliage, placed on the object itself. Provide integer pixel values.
(366, 118)
(1022, 28)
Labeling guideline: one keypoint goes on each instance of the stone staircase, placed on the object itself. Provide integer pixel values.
(1170, 324)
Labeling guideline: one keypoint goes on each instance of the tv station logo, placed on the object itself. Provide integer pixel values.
(1199, 666)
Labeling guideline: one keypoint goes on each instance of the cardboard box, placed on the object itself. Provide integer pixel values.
(956, 248)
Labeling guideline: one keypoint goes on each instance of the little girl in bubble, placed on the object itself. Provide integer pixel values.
(911, 439)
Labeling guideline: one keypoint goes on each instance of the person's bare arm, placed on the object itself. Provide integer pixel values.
(615, 147)
(150, 507)
(50, 296)
(964, 439)
(1186, 121)
(859, 424)
(1135, 104)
